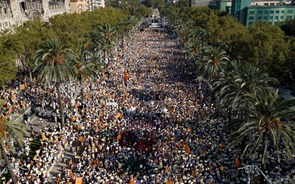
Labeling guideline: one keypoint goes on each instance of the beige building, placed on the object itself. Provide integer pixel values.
(93, 4)
(16, 12)
(78, 6)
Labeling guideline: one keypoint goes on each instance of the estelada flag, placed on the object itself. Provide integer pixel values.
(79, 180)
(187, 149)
(237, 162)
(72, 174)
(117, 116)
(125, 76)
(169, 182)
(81, 138)
(22, 86)
(43, 136)
(166, 169)
(132, 181)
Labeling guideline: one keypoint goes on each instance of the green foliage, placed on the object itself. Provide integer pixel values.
(69, 27)
(131, 7)
(29, 38)
(7, 59)
(289, 27)
(267, 124)
(264, 45)
(267, 46)
(54, 62)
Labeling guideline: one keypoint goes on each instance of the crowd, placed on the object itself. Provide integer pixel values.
(141, 122)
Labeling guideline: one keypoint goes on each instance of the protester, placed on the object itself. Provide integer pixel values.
(168, 131)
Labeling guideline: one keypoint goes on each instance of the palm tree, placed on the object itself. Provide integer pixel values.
(10, 130)
(213, 63)
(91, 43)
(54, 64)
(269, 125)
(85, 69)
(107, 36)
(240, 79)
(124, 28)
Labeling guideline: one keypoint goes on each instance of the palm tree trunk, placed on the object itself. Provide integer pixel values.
(61, 111)
(7, 161)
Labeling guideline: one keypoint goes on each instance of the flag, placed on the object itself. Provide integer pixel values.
(22, 86)
(117, 116)
(81, 139)
(79, 180)
(43, 136)
(187, 149)
(237, 162)
(125, 76)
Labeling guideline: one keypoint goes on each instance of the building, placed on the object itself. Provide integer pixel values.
(16, 12)
(199, 3)
(248, 12)
(78, 6)
(93, 4)
(268, 11)
(270, 14)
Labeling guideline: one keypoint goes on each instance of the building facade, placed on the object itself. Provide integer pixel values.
(270, 14)
(249, 12)
(194, 3)
(78, 6)
(16, 12)
(93, 4)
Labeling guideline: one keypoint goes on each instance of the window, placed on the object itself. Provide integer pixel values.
(289, 17)
(265, 12)
(272, 4)
(283, 11)
(277, 11)
(251, 12)
(290, 11)
(282, 17)
(265, 17)
(265, 4)
(251, 18)
(250, 23)
(271, 11)
(260, 12)
(276, 17)
(259, 18)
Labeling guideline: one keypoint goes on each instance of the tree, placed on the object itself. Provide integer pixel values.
(8, 57)
(212, 64)
(86, 67)
(269, 125)
(238, 80)
(107, 39)
(10, 130)
(267, 47)
(54, 64)
(29, 38)
(289, 27)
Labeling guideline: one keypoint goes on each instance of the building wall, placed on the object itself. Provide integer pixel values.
(78, 6)
(199, 2)
(271, 14)
(93, 4)
(238, 9)
(16, 12)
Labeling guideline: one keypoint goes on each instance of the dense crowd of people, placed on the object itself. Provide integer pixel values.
(140, 122)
